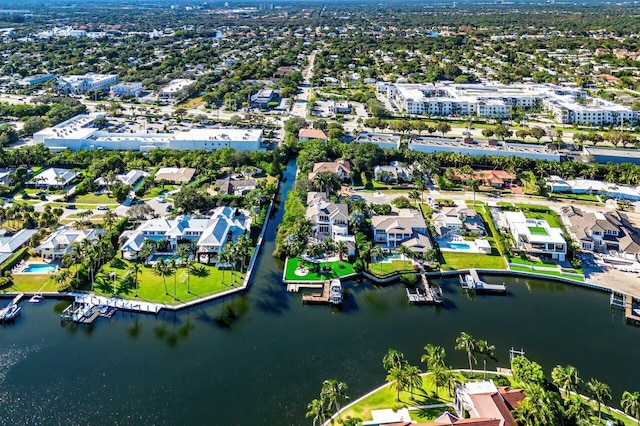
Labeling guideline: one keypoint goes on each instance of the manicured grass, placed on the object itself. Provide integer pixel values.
(469, 203)
(570, 196)
(94, 199)
(23, 283)
(339, 269)
(537, 230)
(521, 261)
(204, 280)
(545, 272)
(388, 268)
(472, 260)
(551, 218)
(157, 190)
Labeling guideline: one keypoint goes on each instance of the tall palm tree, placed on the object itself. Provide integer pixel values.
(377, 252)
(243, 249)
(317, 411)
(600, 392)
(393, 358)
(484, 349)
(450, 379)
(474, 185)
(465, 342)
(405, 252)
(173, 267)
(630, 403)
(434, 355)
(579, 410)
(161, 269)
(415, 196)
(224, 257)
(566, 377)
(147, 249)
(134, 268)
(342, 249)
(62, 277)
(413, 378)
(109, 219)
(397, 376)
(333, 391)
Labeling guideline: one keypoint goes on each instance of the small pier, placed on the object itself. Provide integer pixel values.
(630, 306)
(331, 294)
(425, 295)
(472, 281)
(86, 308)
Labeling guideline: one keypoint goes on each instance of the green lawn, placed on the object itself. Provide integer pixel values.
(472, 260)
(544, 272)
(469, 203)
(27, 283)
(92, 198)
(388, 268)
(537, 230)
(549, 263)
(570, 196)
(205, 280)
(339, 269)
(157, 190)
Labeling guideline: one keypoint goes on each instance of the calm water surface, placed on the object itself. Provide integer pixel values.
(260, 358)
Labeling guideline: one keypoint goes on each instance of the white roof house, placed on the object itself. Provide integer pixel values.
(58, 243)
(54, 177)
(10, 244)
(536, 236)
(130, 178)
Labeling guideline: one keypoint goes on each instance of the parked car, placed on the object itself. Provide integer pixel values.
(103, 207)
(71, 206)
(169, 208)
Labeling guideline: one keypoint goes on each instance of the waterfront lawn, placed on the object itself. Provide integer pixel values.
(205, 280)
(31, 283)
(383, 269)
(339, 269)
(472, 260)
(545, 272)
(549, 263)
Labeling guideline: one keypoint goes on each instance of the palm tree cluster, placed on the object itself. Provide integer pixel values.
(232, 252)
(465, 342)
(25, 216)
(87, 256)
(331, 394)
(402, 375)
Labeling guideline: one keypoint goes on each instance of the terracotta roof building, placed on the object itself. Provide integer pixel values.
(308, 134)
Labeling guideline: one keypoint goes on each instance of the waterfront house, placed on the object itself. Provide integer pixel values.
(536, 237)
(485, 404)
(393, 229)
(238, 187)
(207, 235)
(340, 168)
(329, 219)
(56, 245)
(308, 134)
(9, 244)
(458, 221)
(609, 232)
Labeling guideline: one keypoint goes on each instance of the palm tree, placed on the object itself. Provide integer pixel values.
(147, 249)
(342, 249)
(134, 268)
(326, 181)
(243, 249)
(484, 349)
(184, 252)
(224, 257)
(600, 392)
(413, 378)
(397, 376)
(415, 195)
(393, 358)
(317, 411)
(465, 342)
(474, 185)
(109, 219)
(540, 407)
(161, 269)
(405, 252)
(450, 379)
(377, 252)
(62, 277)
(579, 410)
(434, 355)
(566, 377)
(332, 391)
(173, 267)
(630, 403)
(439, 373)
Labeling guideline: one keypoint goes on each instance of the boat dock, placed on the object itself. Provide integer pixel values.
(425, 295)
(472, 281)
(86, 308)
(331, 294)
(630, 306)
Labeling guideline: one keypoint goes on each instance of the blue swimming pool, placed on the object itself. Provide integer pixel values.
(40, 268)
(459, 246)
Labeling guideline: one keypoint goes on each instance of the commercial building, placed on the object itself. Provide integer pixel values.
(383, 140)
(34, 80)
(78, 84)
(79, 133)
(262, 98)
(604, 155)
(175, 91)
(125, 89)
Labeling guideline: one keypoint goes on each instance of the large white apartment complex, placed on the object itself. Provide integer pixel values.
(495, 100)
(78, 133)
(76, 84)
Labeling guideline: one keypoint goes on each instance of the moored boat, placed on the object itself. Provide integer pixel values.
(12, 312)
(335, 292)
(36, 298)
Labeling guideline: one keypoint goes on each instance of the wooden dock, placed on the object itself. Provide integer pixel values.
(426, 295)
(318, 298)
(631, 314)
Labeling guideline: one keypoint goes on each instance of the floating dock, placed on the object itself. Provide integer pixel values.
(472, 281)
(630, 306)
(86, 308)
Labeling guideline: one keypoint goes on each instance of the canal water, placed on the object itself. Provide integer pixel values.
(261, 357)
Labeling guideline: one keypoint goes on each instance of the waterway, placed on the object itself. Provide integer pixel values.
(261, 357)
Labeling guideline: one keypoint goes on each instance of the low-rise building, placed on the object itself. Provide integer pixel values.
(340, 168)
(392, 230)
(593, 187)
(609, 232)
(53, 177)
(78, 84)
(486, 404)
(340, 107)
(394, 172)
(329, 219)
(130, 178)
(125, 89)
(308, 134)
(458, 221)
(604, 155)
(175, 91)
(383, 140)
(56, 245)
(9, 244)
(238, 187)
(494, 178)
(174, 175)
(34, 80)
(208, 235)
(536, 237)
(262, 98)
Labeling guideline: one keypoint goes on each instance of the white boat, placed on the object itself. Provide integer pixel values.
(36, 298)
(13, 311)
(470, 282)
(335, 292)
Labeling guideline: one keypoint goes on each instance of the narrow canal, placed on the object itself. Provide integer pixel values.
(261, 357)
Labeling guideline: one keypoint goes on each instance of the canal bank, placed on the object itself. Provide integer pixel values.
(261, 357)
